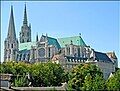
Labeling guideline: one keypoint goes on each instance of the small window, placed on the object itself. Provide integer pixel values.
(11, 45)
(24, 57)
(9, 51)
(22, 34)
(22, 41)
(49, 52)
(14, 52)
(28, 57)
(20, 57)
(27, 40)
(28, 34)
(8, 45)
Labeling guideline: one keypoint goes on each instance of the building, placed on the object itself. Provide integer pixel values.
(69, 51)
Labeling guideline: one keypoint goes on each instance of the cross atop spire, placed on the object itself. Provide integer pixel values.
(25, 16)
(11, 28)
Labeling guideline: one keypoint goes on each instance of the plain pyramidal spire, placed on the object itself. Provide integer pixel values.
(25, 16)
(11, 28)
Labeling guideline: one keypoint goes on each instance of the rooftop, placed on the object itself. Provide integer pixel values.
(60, 42)
(76, 40)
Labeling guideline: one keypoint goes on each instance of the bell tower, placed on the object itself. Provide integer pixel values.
(25, 33)
(11, 42)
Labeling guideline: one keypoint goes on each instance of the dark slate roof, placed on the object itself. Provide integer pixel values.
(102, 57)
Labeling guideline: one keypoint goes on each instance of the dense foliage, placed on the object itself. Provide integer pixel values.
(47, 74)
(41, 74)
(86, 77)
(81, 77)
(113, 83)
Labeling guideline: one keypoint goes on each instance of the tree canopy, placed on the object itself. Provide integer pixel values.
(41, 74)
(86, 77)
(81, 77)
(113, 83)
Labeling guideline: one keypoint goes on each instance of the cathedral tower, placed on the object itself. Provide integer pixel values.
(11, 42)
(25, 33)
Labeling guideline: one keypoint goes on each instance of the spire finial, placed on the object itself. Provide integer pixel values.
(25, 16)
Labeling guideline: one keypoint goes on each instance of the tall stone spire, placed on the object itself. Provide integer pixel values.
(25, 33)
(11, 42)
(25, 16)
(11, 29)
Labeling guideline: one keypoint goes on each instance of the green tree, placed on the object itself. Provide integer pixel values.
(21, 81)
(15, 68)
(47, 74)
(9, 67)
(1, 68)
(18, 69)
(86, 77)
(113, 83)
(96, 83)
(41, 74)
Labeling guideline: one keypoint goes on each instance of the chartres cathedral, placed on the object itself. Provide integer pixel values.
(68, 51)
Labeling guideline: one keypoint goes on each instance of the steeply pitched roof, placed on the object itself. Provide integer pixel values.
(76, 40)
(27, 45)
(52, 41)
(102, 57)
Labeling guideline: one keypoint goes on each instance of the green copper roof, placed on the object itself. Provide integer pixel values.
(76, 40)
(26, 45)
(52, 41)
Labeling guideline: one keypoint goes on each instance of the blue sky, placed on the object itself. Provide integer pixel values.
(98, 22)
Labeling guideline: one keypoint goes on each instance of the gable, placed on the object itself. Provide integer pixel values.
(51, 41)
